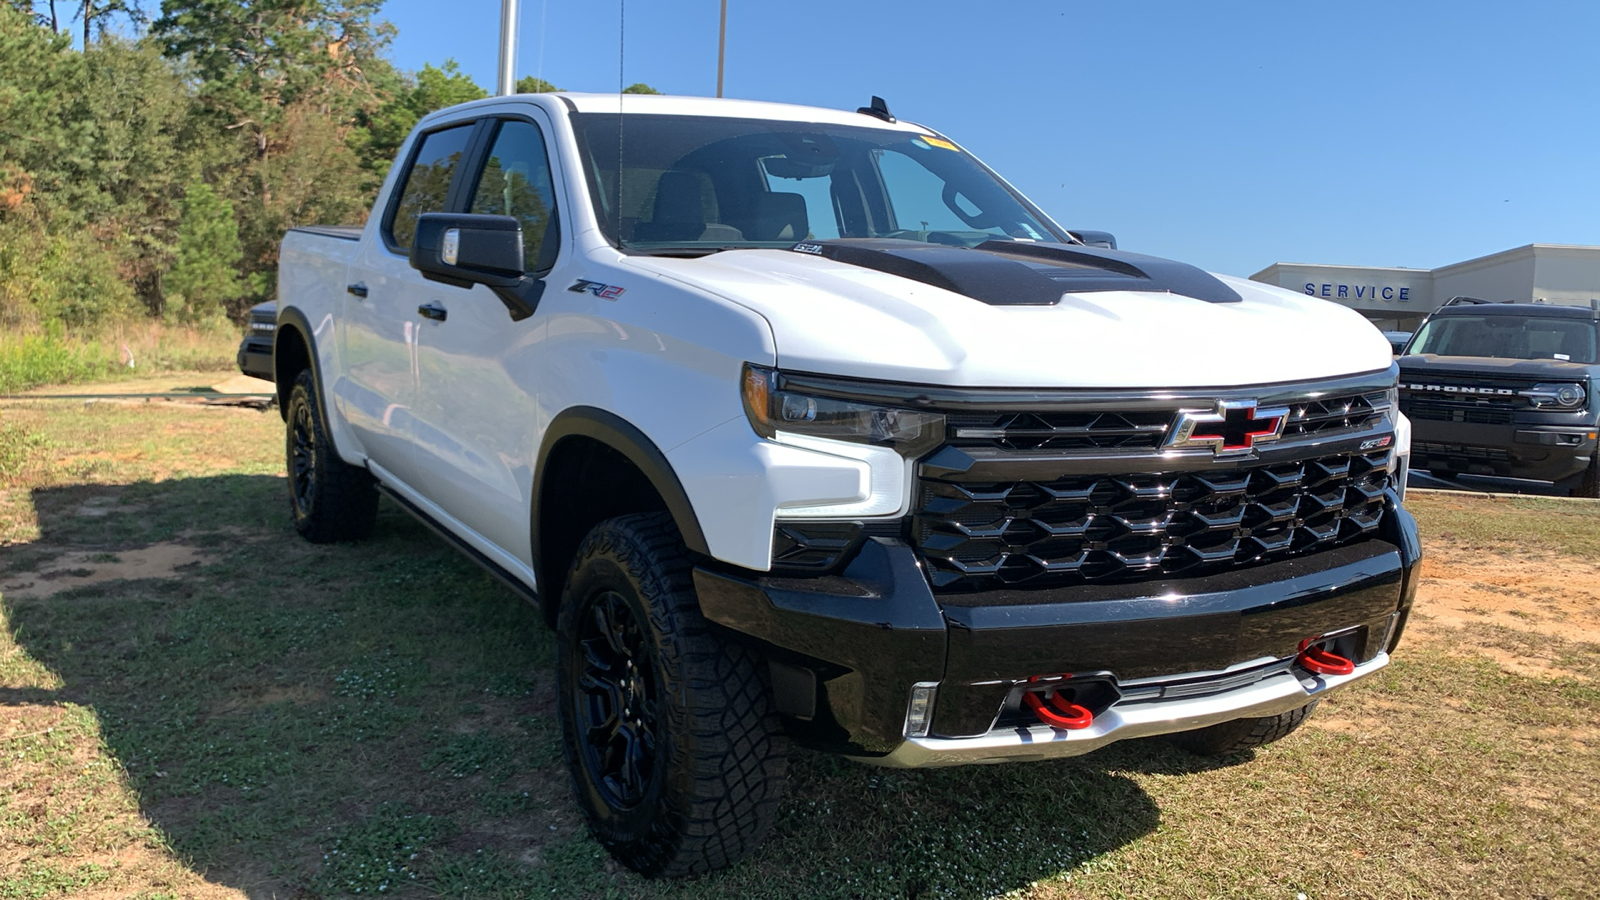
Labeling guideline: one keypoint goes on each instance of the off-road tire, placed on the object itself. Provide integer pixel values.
(331, 500)
(1590, 485)
(1242, 734)
(719, 762)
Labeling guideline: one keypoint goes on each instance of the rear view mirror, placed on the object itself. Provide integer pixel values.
(463, 250)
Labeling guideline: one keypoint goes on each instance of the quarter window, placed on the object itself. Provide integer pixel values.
(427, 184)
(516, 182)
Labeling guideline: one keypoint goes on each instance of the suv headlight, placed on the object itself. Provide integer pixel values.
(1557, 395)
(771, 410)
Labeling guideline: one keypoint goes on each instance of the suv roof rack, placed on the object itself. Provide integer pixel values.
(1466, 301)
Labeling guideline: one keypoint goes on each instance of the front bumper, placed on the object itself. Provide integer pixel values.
(1285, 690)
(846, 650)
(1537, 450)
(255, 357)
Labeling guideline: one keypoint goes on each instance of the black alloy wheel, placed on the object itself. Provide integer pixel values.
(678, 760)
(302, 451)
(331, 500)
(618, 702)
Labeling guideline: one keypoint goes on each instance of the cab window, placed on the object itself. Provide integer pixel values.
(426, 184)
(516, 182)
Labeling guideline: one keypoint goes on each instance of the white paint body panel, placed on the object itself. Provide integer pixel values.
(461, 438)
(840, 319)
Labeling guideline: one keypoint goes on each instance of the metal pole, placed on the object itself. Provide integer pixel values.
(722, 45)
(508, 47)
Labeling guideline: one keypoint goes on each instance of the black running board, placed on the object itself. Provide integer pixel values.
(471, 552)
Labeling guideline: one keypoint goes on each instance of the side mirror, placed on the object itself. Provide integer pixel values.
(1095, 238)
(463, 250)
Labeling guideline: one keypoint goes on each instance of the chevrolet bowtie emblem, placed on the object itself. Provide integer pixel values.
(1232, 427)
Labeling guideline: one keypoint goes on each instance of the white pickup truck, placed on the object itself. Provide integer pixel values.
(801, 425)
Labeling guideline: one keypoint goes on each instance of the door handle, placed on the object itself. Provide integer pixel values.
(433, 311)
(359, 289)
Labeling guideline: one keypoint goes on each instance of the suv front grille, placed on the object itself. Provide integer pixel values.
(1434, 411)
(1102, 528)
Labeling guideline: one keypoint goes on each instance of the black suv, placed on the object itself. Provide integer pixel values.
(1505, 389)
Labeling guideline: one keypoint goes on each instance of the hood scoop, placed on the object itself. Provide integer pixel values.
(1018, 273)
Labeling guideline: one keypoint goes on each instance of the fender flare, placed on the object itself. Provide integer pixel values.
(290, 315)
(621, 436)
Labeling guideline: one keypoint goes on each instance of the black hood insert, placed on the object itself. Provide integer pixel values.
(1023, 273)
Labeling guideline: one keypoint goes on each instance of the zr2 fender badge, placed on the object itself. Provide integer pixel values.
(603, 291)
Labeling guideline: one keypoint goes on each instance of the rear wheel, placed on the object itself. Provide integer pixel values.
(1242, 734)
(678, 760)
(331, 499)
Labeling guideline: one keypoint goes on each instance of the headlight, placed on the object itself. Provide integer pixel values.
(772, 410)
(1556, 395)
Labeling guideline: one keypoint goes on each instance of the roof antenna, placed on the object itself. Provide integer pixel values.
(878, 110)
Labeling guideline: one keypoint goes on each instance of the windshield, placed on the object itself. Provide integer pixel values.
(1508, 337)
(700, 184)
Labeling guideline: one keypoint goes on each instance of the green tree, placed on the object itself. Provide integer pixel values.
(639, 87)
(205, 276)
(389, 124)
(528, 84)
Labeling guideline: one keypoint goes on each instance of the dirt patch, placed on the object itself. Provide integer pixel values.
(81, 568)
(1540, 596)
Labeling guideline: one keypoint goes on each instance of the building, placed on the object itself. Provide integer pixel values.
(1398, 298)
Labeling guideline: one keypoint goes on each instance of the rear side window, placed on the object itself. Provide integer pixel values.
(426, 186)
(516, 182)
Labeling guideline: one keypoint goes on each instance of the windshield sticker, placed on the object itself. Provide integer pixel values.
(941, 143)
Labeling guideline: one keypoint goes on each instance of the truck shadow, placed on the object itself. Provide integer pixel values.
(302, 720)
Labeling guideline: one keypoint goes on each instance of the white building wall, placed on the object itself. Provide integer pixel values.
(1503, 278)
(1398, 298)
(1568, 275)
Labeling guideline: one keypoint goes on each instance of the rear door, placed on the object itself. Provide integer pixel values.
(476, 414)
(378, 391)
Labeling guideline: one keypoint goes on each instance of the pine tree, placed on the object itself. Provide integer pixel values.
(205, 277)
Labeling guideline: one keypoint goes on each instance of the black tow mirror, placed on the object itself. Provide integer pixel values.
(463, 250)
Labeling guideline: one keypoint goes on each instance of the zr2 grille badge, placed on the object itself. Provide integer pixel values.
(1233, 427)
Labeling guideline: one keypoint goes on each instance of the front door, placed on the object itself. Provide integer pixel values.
(476, 416)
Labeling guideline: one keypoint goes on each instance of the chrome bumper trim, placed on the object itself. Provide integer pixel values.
(1271, 696)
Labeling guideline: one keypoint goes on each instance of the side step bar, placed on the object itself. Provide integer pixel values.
(493, 568)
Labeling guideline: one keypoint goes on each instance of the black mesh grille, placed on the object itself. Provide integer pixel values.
(1446, 412)
(1093, 528)
(1430, 449)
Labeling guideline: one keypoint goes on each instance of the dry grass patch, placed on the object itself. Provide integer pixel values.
(199, 704)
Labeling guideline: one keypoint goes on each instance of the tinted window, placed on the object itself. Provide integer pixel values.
(1508, 337)
(678, 184)
(428, 183)
(516, 182)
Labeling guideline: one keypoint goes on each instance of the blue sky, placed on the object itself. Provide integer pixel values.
(1229, 135)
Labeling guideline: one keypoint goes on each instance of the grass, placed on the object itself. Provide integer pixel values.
(271, 718)
(29, 358)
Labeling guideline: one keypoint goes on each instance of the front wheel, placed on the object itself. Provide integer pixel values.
(677, 758)
(1590, 485)
(1242, 734)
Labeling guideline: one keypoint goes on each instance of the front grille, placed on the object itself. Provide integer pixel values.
(1465, 451)
(1141, 430)
(1446, 412)
(1106, 528)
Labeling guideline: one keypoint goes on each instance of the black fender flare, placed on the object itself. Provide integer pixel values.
(620, 435)
(292, 316)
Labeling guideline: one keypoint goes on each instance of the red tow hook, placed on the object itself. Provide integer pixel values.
(1321, 661)
(1065, 714)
